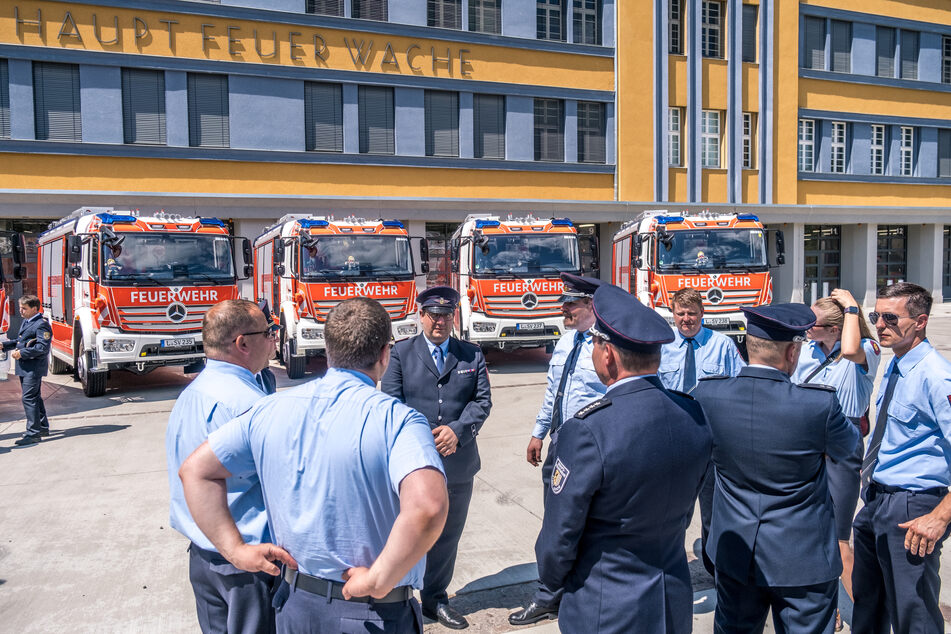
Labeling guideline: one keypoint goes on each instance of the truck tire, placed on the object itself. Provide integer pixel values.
(294, 366)
(58, 366)
(94, 383)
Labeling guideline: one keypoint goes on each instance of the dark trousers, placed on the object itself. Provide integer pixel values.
(743, 608)
(892, 587)
(301, 612)
(545, 596)
(441, 558)
(36, 420)
(844, 484)
(229, 600)
(707, 488)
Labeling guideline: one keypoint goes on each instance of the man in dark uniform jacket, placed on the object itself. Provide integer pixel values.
(30, 349)
(447, 382)
(626, 473)
(772, 536)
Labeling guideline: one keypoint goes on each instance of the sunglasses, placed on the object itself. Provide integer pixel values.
(890, 319)
(269, 333)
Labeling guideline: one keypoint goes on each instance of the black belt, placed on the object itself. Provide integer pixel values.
(334, 589)
(887, 488)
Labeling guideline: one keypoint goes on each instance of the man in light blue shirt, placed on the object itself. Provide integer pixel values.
(352, 481)
(905, 475)
(696, 351)
(238, 345)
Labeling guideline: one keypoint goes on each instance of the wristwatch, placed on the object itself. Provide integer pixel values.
(852, 310)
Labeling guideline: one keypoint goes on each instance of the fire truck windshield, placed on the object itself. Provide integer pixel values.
(350, 256)
(166, 258)
(514, 254)
(712, 249)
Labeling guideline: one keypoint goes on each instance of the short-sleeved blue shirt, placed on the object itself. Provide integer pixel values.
(331, 455)
(715, 354)
(853, 384)
(581, 388)
(916, 447)
(219, 393)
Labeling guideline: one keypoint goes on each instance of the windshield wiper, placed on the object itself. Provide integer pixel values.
(209, 279)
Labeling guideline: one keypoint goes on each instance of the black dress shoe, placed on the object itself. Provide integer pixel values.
(447, 616)
(44, 433)
(27, 440)
(533, 613)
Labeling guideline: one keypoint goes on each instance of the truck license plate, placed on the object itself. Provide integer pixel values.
(716, 321)
(184, 342)
(530, 326)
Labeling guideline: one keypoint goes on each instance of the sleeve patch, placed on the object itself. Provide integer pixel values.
(875, 347)
(591, 407)
(47, 334)
(559, 476)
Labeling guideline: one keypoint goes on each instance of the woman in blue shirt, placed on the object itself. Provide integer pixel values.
(842, 353)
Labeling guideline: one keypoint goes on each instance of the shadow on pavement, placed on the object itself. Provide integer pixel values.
(57, 434)
(517, 361)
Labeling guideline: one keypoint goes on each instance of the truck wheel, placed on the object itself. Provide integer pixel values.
(295, 366)
(58, 366)
(94, 383)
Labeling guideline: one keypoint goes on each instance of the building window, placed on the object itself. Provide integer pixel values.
(370, 10)
(710, 138)
(375, 104)
(143, 106)
(841, 46)
(549, 130)
(807, 135)
(837, 148)
(674, 137)
(884, 51)
(323, 117)
(892, 255)
(822, 251)
(711, 29)
(587, 21)
(749, 140)
(750, 17)
(442, 123)
(4, 100)
(485, 16)
(944, 153)
(877, 159)
(445, 14)
(56, 103)
(675, 27)
(909, 55)
(591, 148)
(946, 60)
(208, 124)
(550, 20)
(814, 43)
(488, 126)
(324, 7)
(907, 155)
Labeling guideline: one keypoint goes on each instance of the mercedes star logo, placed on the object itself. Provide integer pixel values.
(176, 312)
(529, 300)
(714, 295)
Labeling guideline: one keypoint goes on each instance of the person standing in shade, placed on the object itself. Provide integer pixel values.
(446, 380)
(353, 485)
(772, 535)
(841, 352)
(899, 532)
(238, 344)
(30, 350)
(572, 384)
(626, 472)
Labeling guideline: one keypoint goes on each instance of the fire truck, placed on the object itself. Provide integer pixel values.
(507, 273)
(128, 291)
(722, 256)
(305, 265)
(12, 270)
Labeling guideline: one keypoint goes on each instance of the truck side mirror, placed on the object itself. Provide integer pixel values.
(244, 270)
(19, 273)
(74, 246)
(279, 252)
(75, 272)
(424, 255)
(279, 270)
(454, 255)
(780, 248)
(246, 250)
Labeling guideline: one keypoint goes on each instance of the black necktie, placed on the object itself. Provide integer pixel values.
(690, 366)
(556, 418)
(881, 418)
(260, 381)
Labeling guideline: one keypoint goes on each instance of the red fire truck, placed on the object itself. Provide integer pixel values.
(124, 291)
(306, 265)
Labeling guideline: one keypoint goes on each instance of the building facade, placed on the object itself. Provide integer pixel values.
(830, 120)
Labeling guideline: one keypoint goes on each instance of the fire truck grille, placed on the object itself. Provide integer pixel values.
(507, 306)
(396, 308)
(153, 319)
(732, 301)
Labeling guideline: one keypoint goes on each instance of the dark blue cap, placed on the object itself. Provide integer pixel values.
(577, 287)
(779, 322)
(438, 299)
(622, 320)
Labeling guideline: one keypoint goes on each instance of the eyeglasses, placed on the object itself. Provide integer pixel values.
(890, 319)
(438, 316)
(270, 334)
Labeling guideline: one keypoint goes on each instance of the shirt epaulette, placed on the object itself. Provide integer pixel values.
(713, 377)
(818, 386)
(592, 407)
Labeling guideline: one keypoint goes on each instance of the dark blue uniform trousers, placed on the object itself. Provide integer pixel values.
(892, 587)
(441, 558)
(229, 600)
(301, 612)
(36, 420)
(743, 607)
(545, 596)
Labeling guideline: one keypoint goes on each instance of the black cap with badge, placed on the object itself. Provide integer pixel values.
(622, 320)
(779, 322)
(438, 299)
(577, 287)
